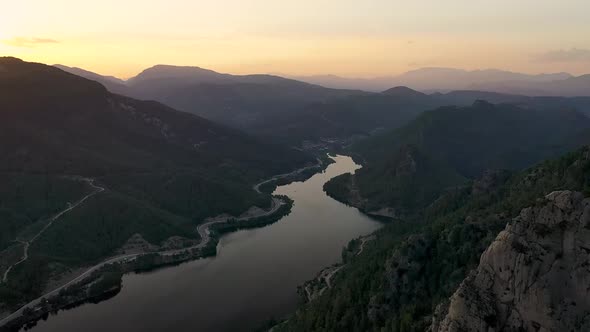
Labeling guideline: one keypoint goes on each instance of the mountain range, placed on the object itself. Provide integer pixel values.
(240, 101)
(162, 172)
(292, 112)
(448, 79)
(451, 168)
(500, 253)
(408, 168)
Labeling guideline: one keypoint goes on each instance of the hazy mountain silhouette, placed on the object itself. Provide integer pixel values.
(447, 79)
(112, 83)
(376, 84)
(467, 97)
(347, 116)
(457, 79)
(241, 101)
(404, 92)
(293, 111)
(179, 74)
(572, 86)
(152, 81)
(56, 122)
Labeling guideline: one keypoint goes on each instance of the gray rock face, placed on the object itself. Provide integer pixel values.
(535, 276)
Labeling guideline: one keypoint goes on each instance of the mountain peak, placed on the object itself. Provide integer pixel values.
(403, 91)
(191, 73)
(35, 79)
(88, 74)
(8, 59)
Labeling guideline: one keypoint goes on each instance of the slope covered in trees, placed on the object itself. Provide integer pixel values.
(450, 143)
(414, 266)
(163, 171)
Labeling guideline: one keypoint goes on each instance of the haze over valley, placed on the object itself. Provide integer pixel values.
(155, 175)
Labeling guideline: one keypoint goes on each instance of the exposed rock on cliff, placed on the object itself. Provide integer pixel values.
(535, 276)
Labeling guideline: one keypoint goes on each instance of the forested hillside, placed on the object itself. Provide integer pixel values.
(294, 112)
(161, 172)
(415, 265)
(406, 169)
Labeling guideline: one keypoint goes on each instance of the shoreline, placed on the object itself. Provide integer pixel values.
(76, 290)
(312, 289)
(209, 232)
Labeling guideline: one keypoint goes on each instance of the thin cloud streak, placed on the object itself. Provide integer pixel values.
(29, 41)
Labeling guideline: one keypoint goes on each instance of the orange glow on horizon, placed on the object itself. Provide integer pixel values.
(346, 38)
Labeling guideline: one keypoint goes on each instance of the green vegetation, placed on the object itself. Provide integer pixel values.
(269, 187)
(412, 266)
(407, 169)
(107, 281)
(163, 172)
(233, 225)
(26, 199)
(346, 116)
(406, 181)
(484, 136)
(103, 225)
(188, 193)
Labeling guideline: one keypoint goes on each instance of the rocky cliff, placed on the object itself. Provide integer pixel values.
(535, 276)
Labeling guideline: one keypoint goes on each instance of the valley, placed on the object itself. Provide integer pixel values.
(283, 255)
(145, 155)
(37, 308)
(184, 197)
(300, 114)
(27, 243)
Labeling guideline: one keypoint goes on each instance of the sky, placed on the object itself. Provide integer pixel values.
(353, 38)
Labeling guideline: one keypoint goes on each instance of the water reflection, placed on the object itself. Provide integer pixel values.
(254, 276)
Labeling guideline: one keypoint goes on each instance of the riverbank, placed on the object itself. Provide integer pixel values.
(82, 288)
(88, 287)
(312, 289)
(302, 174)
(253, 276)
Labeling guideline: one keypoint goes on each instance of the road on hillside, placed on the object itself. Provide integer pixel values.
(202, 230)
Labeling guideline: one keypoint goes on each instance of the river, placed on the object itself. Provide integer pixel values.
(253, 277)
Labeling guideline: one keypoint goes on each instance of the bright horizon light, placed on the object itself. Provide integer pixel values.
(307, 37)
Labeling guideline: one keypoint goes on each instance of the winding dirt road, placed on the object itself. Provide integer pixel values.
(326, 274)
(202, 230)
(27, 244)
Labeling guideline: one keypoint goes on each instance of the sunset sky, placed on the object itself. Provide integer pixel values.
(304, 37)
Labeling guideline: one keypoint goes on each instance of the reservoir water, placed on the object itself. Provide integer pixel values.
(253, 277)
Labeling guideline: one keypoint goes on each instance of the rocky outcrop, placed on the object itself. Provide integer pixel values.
(535, 276)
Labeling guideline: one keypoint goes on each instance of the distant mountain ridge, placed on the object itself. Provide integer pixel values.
(163, 172)
(112, 83)
(448, 79)
(429, 79)
(293, 112)
(441, 148)
(240, 101)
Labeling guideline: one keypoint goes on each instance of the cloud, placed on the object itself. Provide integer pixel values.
(571, 55)
(29, 41)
